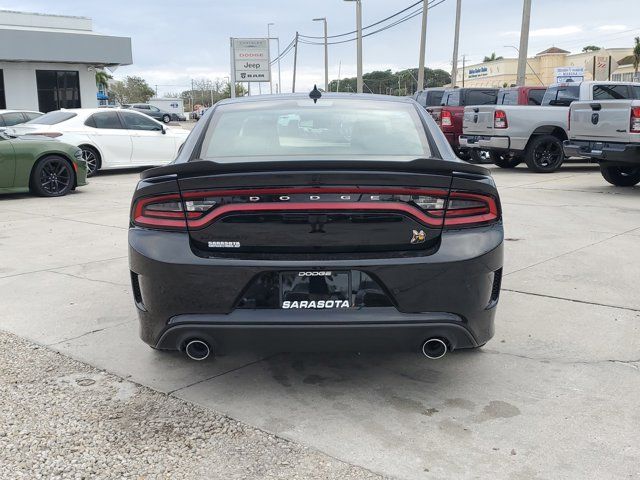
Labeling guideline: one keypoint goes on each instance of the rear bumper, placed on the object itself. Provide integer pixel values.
(623, 153)
(484, 142)
(449, 293)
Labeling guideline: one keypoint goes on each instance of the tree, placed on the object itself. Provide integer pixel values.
(591, 48)
(492, 58)
(386, 82)
(636, 55)
(131, 90)
(102, 78)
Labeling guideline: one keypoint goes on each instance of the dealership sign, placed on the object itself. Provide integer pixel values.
(569, 74)
(478, 72)
(250, 59)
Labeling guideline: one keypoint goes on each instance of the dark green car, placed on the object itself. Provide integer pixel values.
(40, 165)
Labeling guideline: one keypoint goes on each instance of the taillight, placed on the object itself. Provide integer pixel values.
(163, 211)
(635, 120)
(446, 119)
(470, 210)
(500, 119)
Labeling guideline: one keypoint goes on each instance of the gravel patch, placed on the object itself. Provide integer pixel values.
(62, 419)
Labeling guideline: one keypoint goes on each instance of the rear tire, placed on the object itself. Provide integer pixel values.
(621, 176)
(544, 154)
(53, 176)
(505, 160)
(92, 157)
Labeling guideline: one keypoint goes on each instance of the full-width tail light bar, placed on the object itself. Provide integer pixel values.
(434, 208)
(634, 126)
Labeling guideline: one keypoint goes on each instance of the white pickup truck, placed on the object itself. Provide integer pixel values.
(608, 131)
(513, 133)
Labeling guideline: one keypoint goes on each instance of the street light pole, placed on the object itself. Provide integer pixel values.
(423, 41)
(295, 64)
(524, 43)
(326, 53)
(360, 82)
(456, 37)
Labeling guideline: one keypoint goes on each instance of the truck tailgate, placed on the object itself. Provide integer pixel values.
(478, 120)
(602, 121)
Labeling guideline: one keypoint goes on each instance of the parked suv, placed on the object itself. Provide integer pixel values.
(429, 97)
(451, 110)
(153, 112)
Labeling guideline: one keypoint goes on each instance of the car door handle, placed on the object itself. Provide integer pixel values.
(621, 130)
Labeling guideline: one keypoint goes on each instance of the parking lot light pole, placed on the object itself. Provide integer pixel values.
(360, 82)
(326, 53)
(269, 43)
(423, 41)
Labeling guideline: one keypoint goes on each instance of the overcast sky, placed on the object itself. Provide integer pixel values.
(174, 41)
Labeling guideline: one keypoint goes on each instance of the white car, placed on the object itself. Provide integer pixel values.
(109, 138)
(9, 118)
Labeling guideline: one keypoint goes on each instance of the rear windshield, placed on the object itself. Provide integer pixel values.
(52, 118)
(536, 96)
(507, 97)
(299, 128)
(612, 92)
(561, 95)
(480, 97)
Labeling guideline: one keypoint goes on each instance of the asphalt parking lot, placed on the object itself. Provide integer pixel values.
(553, 395)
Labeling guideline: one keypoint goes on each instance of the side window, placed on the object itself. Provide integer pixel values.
(104, 120)
(636, 92)
(142, 107)
(507, 98)
(154, 109)
(14, 118)
(434, 98)
(32, 115)
(610, 92)
(2, 121)
(535, 96)
(422, 99)
(139, 122)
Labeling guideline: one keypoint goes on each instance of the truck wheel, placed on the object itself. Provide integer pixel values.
(505, 160)
(544, 154)
(621, 176)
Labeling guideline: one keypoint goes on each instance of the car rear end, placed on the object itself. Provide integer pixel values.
(370, 251)
(485, 127)
(605, 130)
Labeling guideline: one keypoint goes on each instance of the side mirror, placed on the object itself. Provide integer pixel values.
(163, 130)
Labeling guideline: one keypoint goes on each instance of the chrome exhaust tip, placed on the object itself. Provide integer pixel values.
(434, 348)
(197, 350)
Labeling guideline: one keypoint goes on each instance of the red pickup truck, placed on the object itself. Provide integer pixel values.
(450, 114)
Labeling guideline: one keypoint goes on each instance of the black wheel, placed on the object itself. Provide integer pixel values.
(479, 156)
(621, 176)
(92, 157)
(52, 177)
(544, 154)
(166, 118)
(505, 160)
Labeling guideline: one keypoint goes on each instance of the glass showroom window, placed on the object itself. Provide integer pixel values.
(57, 89)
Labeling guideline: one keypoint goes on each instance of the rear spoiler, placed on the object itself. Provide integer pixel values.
(419, 165)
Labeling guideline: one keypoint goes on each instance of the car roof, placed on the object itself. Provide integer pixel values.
(326, 95)
(19, 111)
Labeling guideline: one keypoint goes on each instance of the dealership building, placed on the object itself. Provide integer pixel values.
(604, 64)
(48, 62)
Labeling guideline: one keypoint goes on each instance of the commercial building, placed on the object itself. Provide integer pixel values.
(608, 63)
(49, 62)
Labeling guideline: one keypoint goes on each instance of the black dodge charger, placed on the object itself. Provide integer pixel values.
(333, 222)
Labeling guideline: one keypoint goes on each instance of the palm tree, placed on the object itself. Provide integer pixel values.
(636, 55)
(102, 78)
(492, 58)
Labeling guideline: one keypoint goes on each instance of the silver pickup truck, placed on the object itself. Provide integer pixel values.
(513, 133)
(608, 131)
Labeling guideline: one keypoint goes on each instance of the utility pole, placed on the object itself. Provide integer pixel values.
(524, 43)
(295, 64)
(423, 41)
(456, 37)
(360, 82)
(232, 74)
(464, 61)
(326, 53)
(339, 72)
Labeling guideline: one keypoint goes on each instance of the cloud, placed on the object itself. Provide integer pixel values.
(612, 28)
(547, 32)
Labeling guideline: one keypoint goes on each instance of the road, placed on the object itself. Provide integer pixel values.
(554, 394)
